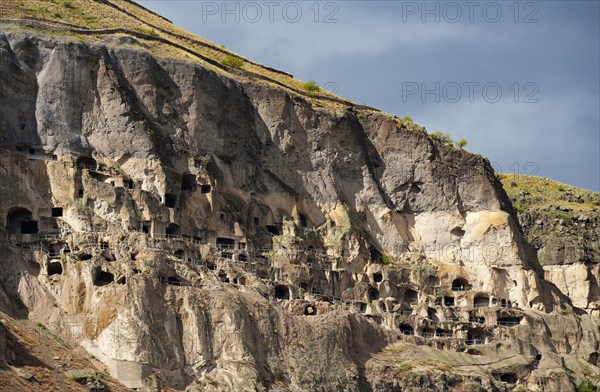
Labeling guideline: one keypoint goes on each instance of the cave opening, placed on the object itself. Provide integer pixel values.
(54, 268)
(460, 284)
(84, 256)
(57, 212)
(407, 329)
(475, 336)
(373, 294)
(457, 231)
(509, 378)
(205, 188)
(102, 278)
(411, 296)
(302, 220)
(509, 321)
(282, 292)
(273, 230)
(180, 254)
(432, 314)
(225, 243)
(377, 277)
(87, 163)
(310, 310)
(188, 183)
(20, 221)
(223, 276)
(173, 229)
(443, 333)
(481, 301)
(170, 200)
(448, 301)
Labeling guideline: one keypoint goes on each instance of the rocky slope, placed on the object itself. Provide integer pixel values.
(203, 230)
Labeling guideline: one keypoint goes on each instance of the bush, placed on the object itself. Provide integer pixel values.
(586, 387)
(311, 87)
(385, 260)
(407, 119)
(441, 137)
(461, 143)
(233, 61)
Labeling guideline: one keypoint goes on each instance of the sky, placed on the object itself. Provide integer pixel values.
(520, 81)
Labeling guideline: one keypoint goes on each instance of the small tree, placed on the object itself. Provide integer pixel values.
(461, 143)
(233, 61)
(311, 87)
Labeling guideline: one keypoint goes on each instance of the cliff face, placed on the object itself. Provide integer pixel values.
(195, 231)
(562, 223)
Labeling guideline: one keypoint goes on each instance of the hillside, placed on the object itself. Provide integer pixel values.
(200, 228)
(94, 20)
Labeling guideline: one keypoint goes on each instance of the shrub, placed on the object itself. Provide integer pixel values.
(385, 260)
(461, 143)
(586, 387)
(311, 87)
(441, 137)
(407, 119)
(233, 61)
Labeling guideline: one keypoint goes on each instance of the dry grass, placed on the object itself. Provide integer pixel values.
(90, 14)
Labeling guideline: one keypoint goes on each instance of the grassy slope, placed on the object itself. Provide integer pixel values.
(529, 192)
(124, 14)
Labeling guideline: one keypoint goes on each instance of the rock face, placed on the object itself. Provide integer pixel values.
(202, 233)
(562, 223)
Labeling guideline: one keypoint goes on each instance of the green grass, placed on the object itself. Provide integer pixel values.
(538, 192)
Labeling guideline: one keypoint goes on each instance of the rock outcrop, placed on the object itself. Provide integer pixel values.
(562, 223)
